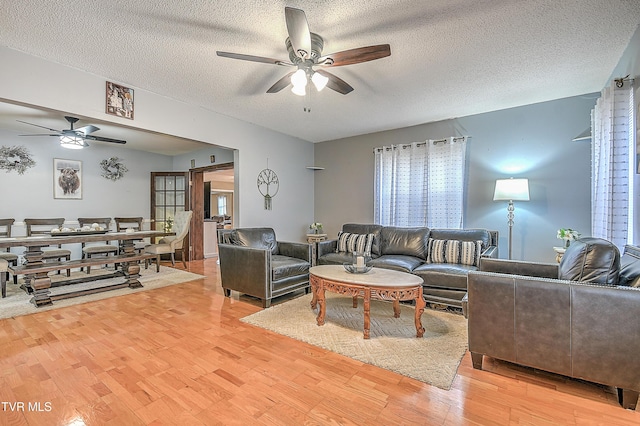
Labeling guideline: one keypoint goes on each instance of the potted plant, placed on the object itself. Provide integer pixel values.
(316, 228)
(568, 235)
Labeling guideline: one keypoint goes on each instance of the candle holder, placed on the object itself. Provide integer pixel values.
(360, 263)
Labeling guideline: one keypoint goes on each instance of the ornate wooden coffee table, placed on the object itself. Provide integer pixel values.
(382, 284)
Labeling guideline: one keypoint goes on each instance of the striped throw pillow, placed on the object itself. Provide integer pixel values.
(455, 251)
(349, 243)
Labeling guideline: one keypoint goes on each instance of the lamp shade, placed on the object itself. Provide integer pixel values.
(299, 90)
(72, 142)
(511, 190)
(299, 78)
(319, 80)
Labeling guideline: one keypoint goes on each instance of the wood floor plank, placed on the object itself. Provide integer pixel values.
(181, 355)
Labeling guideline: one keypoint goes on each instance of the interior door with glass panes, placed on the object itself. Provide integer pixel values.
(169, 194)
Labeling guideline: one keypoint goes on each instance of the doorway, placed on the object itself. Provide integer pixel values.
(204, 229)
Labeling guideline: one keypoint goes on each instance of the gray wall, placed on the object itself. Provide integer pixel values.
(534, 141)
(31, 194)
(50, 85)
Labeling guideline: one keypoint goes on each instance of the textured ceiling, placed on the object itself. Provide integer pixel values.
(449, 58)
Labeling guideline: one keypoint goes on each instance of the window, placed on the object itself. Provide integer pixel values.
(613, 165)
(420, 184)
(222, 205)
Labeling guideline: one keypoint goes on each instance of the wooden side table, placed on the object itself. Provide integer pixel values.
(559, 253)
(314, 239)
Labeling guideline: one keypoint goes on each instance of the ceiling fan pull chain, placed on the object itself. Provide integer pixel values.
(307, 101)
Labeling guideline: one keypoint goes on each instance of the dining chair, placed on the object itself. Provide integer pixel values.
(124, 223)
(43, 227)
(135, 223)
(11, 258)
(105, 249)
(173, 243)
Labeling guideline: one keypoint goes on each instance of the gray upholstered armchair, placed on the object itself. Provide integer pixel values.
(253, 262)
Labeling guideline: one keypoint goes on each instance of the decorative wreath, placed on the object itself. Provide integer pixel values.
(16, 158)
(113, 168)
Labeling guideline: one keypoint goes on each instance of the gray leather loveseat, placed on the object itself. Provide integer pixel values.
(253, 262)
(441, 257)
(577, 319)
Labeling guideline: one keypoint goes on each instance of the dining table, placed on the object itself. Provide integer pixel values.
(38, 283)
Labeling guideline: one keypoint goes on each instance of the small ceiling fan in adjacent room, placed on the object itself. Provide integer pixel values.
(305, 53)
(74, 138)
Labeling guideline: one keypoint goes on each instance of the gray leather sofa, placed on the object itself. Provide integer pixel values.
(253, 262)
(577, 319)
(407, 250)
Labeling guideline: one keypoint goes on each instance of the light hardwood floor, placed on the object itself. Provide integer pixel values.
(179, 355)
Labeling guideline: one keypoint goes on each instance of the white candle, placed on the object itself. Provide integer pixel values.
(360, 261)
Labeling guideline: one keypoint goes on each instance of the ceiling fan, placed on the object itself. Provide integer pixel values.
(74, 138)
(305, 52)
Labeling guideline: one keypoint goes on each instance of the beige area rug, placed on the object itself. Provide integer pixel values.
(393, 345)
(17, 301)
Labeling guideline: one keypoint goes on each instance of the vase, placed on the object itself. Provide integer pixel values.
(567, 243)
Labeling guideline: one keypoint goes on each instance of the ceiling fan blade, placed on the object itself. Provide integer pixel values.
(336, 83)
(101, 139)
(42, 134)
(87, 129)
(281, 84)
(253, 58)
(298, 30)
(355, 56)
(37, 125)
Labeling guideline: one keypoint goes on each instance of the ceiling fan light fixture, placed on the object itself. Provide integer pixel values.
(72, 142)
(299, 90)
(299, 78)
(319, 80)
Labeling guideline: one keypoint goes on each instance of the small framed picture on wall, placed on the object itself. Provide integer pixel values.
(120, 100)
(67, 179)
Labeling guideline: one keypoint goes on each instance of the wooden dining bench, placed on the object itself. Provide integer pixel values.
(36, 268)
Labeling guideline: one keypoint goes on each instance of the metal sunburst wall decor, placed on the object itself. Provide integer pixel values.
(268, 185)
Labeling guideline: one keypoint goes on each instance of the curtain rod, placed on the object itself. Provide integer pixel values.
(435, 142)
(620, 81)
(458, 139)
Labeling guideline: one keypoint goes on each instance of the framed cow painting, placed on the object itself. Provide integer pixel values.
(67, 179)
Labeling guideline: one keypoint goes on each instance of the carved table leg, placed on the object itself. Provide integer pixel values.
(420, 305)
(396, 308)
(367, 312)
(37, 284)
(40, 284)
(322, 302)
(131, 270)
(314, 291)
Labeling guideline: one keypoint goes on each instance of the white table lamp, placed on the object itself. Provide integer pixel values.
(511, 190)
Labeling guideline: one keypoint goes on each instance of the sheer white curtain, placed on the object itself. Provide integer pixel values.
(420, 184)
(612, 162)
